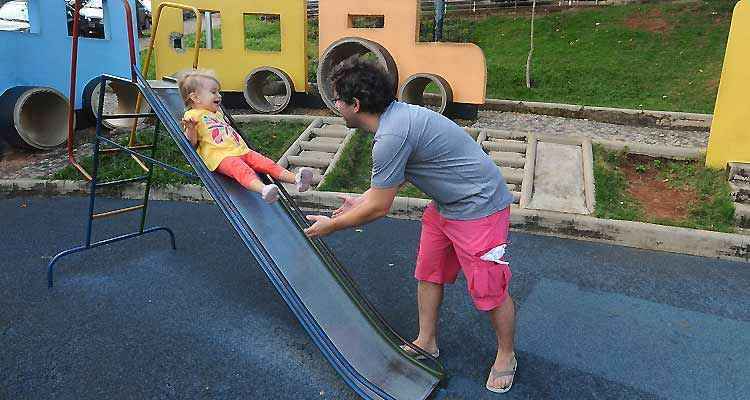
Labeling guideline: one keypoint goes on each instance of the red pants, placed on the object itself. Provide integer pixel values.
(244, 167)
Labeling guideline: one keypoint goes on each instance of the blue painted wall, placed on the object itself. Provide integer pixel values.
(41, 57)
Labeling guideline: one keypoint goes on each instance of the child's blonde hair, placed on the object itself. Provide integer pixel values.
(191, 80)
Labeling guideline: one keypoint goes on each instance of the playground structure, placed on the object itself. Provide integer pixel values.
(389, 29)
(328, 305)
(33, 109)
(267, 78)
(730, 137)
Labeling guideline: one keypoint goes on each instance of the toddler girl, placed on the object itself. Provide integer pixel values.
(221, 147)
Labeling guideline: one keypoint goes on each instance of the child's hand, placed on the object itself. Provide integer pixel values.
(190, 126)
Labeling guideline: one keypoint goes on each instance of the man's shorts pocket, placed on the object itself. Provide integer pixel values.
(488, 279)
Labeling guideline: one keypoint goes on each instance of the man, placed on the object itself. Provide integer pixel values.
(465, 227)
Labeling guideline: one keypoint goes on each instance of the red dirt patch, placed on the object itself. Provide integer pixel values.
(659, 201)
(649, 22)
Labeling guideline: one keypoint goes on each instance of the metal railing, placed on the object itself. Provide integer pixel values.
(427, 7)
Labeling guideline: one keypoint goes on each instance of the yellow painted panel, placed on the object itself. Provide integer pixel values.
(462, 65)
(232, 63)
(730, 129)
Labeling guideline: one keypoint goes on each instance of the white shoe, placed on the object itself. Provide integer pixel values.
(304, 179)
(270, 193)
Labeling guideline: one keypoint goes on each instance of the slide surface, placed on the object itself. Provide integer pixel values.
(357, 342)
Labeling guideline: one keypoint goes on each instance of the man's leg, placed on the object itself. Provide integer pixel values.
(429, 298)
(436, 265)
(503, 319)
(488, 281)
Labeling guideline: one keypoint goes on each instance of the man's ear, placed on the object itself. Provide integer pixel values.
(356, 104)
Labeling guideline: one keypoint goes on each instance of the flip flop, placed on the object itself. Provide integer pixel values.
(416, 355)
(494, 374)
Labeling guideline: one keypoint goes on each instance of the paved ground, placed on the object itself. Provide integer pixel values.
(138, 320)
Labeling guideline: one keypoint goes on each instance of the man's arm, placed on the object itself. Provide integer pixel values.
(375, 204)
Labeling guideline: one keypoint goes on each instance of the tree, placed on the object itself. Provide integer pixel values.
(531, 49)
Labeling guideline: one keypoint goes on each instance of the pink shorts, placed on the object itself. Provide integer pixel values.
(447, 246)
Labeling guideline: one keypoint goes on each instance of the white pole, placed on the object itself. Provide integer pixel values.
(209, 27)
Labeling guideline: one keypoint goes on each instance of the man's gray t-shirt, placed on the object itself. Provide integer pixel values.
(437, 156)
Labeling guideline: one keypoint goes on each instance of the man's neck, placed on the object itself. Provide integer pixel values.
(370, 122)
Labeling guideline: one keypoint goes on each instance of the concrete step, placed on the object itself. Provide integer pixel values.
(308, 161)
(330, 147)
(337, 127)
(324, 139)
(742, 215)
(504, 134)
(323, 155)
(740, 191)
(330, 132)
(516, 146)
(508, 159)
(512, 175)
(737, 171)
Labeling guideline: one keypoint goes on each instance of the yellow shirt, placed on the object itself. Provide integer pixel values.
(216, 139)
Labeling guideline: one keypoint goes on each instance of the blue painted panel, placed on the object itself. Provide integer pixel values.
(657, 348)
(41, 57)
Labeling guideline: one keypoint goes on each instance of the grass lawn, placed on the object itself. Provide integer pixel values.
(661, 191)
(270, 138)
(663, 56)
(151, 73)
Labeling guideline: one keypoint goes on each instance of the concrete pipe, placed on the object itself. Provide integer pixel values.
(268, 90)
(34, 117)
(413, 91)
(119, 98)
(342, 49)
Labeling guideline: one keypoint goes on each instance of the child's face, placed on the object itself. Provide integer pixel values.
(207, 97)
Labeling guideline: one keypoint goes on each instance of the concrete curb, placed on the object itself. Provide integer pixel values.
(640, 235)
(621, 116)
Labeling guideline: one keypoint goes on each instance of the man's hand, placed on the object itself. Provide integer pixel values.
(349, 202)
(323, 226)
(190, 126)
(372, 205)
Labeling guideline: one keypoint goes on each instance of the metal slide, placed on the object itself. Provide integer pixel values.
(350, 333)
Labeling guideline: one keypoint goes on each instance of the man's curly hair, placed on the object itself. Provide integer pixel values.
(365, 80)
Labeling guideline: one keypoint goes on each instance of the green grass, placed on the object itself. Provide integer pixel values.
(713, 210)
(259, 35)
(189, 40)
(612, 198)
(151, 73)
(593, 57)
(353, 171)
(262, 35)
(269, 138)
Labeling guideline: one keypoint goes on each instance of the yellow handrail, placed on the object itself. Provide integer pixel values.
(147, 62)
